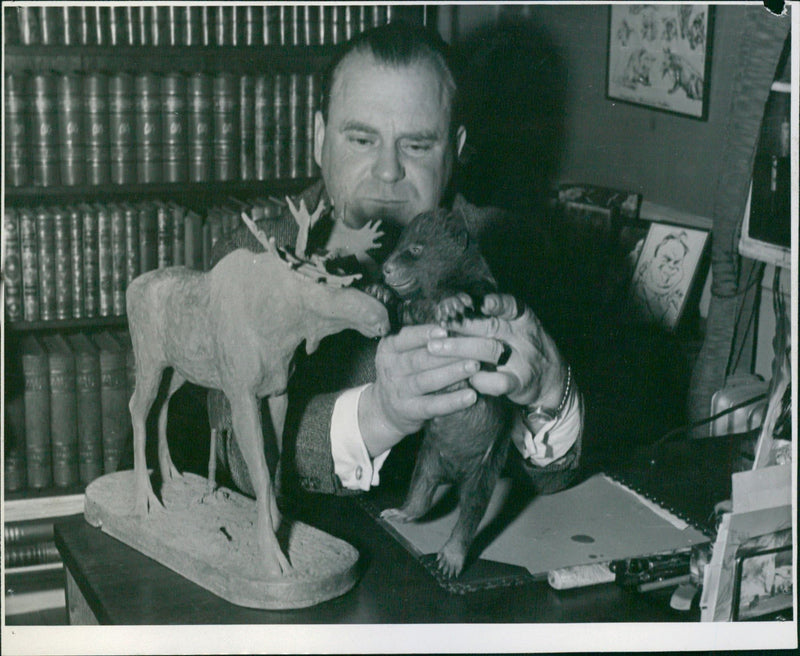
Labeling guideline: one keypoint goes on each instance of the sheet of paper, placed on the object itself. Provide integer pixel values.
(596, 521)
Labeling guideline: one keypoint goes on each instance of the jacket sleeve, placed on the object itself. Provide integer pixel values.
(342, 362)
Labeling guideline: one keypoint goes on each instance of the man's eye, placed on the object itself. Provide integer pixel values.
(360, 140)
(417, 147)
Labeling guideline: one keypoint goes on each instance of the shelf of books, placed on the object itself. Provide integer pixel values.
(135, 136)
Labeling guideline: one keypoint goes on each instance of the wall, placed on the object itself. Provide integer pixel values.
(671, 160)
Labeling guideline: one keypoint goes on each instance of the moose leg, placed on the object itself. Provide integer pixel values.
(277, 411)
(212, 462)
(247, 429)
(142, 399)
(168, 470)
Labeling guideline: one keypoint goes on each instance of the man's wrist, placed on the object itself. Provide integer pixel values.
(536, 415)
(378, 433)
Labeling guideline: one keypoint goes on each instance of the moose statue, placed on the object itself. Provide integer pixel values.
(235, 328)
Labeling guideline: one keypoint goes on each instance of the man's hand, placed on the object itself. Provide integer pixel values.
(402, 397)
(530, 368)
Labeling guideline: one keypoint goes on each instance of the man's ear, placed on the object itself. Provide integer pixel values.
(319, 137)
(461, 139)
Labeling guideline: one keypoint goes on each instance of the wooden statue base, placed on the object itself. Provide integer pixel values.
(210, 538)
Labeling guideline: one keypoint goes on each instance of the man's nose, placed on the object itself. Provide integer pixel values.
(388, 167)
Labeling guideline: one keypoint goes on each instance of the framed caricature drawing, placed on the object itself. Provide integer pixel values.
(659, 56)
(665, 270)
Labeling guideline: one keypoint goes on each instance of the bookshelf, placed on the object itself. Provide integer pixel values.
(56, 59)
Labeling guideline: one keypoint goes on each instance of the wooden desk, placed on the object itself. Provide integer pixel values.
(110, 583)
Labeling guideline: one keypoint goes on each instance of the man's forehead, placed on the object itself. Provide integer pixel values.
(358, 66)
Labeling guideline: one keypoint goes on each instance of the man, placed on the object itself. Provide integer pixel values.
(386, 140)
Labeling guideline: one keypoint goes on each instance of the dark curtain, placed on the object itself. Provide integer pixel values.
(736, 280)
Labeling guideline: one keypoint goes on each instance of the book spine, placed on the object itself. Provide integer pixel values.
(119, 264)
(76, 260)
(174, 26)
(312, 103)
(16, 129)
(174, 154)
(14, 427)
(297, 132)
(129, 22)
(28, 22)
(264, 127)
(253, 22)
(247, 128)
(70, 26)
(105, 261)
(63, 416)
(26, 555)
(280, 114)
(311, 26)
(132, 252)
(50, 26)
(47, 266)
(224, 26)
(178, 233)
(200, 127)
(27, 531)
(38, 450)
(12, 265)
(193, 232)
(226, 127)
(96, 128)
(148, 237)
(91, 260)
(114, 400)
(121, 128)
(270, 24)
(63, 262)
(116, 32)
(29, 244)
(44, 130)
(90, 425)
(70, 129)
(164, 235)
(159, 35)
(148, 136)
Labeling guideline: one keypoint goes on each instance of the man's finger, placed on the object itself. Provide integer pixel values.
(435, 380)
(494, 383)
(436, 405)
(470, 348)
(413, 337)
(502, 306)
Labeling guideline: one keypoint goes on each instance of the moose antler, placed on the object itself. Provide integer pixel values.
(305, 222)
(268, 244)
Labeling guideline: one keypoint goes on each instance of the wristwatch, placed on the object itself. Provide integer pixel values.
(539, 414)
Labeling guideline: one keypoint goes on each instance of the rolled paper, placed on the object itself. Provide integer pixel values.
(580, 576)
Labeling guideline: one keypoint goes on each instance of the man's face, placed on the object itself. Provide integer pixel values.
(385, 151)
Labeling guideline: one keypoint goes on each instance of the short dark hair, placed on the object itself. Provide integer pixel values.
(396, 44)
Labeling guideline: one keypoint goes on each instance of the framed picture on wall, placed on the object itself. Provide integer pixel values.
(666, 267)
(659, 56)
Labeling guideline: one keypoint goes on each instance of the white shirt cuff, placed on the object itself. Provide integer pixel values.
(555, 438)
(351, 460)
